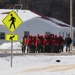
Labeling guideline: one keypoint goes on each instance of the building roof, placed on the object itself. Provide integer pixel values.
(23, 14)
(56, 21)
(27, 14)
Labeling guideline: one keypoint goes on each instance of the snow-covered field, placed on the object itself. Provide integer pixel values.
(36, 64)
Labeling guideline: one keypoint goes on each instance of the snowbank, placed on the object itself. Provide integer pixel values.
(16, 45)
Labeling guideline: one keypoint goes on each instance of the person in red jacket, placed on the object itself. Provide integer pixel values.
(37, 44)
(32, 44)
(28, 43)
(56, 44)
(61, 43)
(41, 44)
(49, 41)
(46, 43)
(52, 43)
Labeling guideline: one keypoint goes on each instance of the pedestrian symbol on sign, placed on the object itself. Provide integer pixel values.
(13, 20)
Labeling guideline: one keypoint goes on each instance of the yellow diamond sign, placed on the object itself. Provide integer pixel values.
(10, 37)
(12, 21)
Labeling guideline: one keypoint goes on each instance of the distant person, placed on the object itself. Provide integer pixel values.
(23, 43)
(68, 41)
(13, 20)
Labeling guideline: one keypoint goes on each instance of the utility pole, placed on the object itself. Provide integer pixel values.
(71, 22)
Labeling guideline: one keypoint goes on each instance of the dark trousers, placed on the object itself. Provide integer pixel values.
(55, 49)
(23, 48)
(61, 48)
(46, 48)
(68, 48)
(38, 48)
(32, 48)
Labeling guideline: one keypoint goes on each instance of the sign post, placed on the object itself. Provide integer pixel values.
(11, 51)
(12, 21)
(11, 37)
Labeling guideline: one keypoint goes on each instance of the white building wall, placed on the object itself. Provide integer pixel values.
(35, 26)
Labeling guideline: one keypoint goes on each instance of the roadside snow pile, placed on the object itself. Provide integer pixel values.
(64, 49)
(16, 45)
(5, 46)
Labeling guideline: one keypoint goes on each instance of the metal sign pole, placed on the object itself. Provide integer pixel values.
(11, 51)
(71, 23)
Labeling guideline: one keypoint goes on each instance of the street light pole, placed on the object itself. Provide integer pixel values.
(71, 22)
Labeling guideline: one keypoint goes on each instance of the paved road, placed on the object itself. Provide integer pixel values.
(49, 54)
(17, 52)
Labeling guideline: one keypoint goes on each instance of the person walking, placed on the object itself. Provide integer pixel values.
(68, 41)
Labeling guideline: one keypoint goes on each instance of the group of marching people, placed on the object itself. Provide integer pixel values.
(48, 43)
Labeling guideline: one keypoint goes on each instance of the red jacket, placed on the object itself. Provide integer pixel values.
(46, 42)
(37, 41)
(28, 41)
(53, 41)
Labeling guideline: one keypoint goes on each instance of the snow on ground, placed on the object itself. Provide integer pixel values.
(36, 64)
(7, 45)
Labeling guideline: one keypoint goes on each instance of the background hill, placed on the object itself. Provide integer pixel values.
(59, 9)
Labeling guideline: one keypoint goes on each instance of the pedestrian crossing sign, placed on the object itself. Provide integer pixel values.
(11, 37)
(12, 21)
